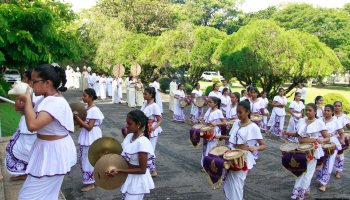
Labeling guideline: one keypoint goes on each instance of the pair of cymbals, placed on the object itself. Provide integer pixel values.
(104, 155)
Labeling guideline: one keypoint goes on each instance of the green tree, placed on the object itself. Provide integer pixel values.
(35, 32)
(264, 54)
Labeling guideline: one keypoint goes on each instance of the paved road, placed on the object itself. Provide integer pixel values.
(178, 166)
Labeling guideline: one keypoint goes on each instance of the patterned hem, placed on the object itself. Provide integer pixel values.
(298, 192)
(339, 164)
(322, 174)
(180, 118)
(13, 164)
(88, 177)
(276, 127)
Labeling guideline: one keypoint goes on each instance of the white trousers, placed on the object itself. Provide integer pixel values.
(44, 188)
(132, 196)
(233, 185)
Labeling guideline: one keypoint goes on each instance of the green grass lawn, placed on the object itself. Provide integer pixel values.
(9, 119)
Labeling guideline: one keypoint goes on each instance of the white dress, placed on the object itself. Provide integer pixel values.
(302, 92)
(319, 113)
(158, 99)
(77, 80)
(323, 174)
(179, 114)
(109, 86)
(103, 87)
(139, 94)
(298, 108)
(266, 104)
(225, 104)
(210, 117)
(196, 112)
(84, 80)
(313, 130)
(234, 181)
(117, 90)
(50, 160)
(97, 85)
(276, 121)
(91, 80)
(340, 159)
(131, 94)
(86, 138)
(137, 184)
(221, 88)
(173, 88)
(215, 94)
(232, 112)
(18, 149)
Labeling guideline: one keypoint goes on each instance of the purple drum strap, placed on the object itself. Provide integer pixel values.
(344, 147)
(195, 136)
(296, 163)
(214, 167)
(224, 130)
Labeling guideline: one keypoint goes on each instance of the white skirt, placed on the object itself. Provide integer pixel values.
(44, 188)
(138, 184)
(49, 158)
(234, 184)
(86, 138)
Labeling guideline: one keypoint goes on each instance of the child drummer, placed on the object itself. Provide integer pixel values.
(244, 135)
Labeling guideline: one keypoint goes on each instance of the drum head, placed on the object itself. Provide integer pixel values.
(287, 147)
(328, 145)
(198, 126)
(118, 70)
(256, 117)
(182, 103)
(207, 128)
(219, 151)
(199, 101)
(105, 163)
(232, 154)
(305, 146)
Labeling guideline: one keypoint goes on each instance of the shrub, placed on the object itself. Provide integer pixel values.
(208, 90)
(330, 98)
(188, 88)
(164, 84)
(4, 87)
(216, 80)
(2, 92)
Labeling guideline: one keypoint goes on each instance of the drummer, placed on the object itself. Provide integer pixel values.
(308, 131)
(265, 101)
(296, 111)
(257, 107)
(231, 115)
(345, 122)
(215, 92)
(320, 107)
(138, 153)
(196, 112)
(244, 135)
(179, 113)
(276, 122)
(152, 111)
(89, 133)
(213, 117)
(335, 130)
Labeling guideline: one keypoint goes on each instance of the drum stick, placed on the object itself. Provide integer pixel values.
(7, 100)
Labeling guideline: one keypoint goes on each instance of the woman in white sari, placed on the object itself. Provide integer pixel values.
(156, 86)
(131, 93)
(139, 93)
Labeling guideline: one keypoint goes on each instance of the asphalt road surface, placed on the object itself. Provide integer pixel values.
(178, 166)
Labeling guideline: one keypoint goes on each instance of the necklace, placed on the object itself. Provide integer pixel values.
(310, 121)
(246, 124)
(131, 140)
(90, 106)
(326, 121)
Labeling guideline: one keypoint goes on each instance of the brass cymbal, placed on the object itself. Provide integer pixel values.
(103, 146)
(79, 109)
(105, 163)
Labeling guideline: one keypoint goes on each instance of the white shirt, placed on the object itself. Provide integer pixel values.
(302, 92)
(173, 88)
(281, 100)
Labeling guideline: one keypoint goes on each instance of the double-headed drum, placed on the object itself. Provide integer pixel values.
(328, 148)
(220, 151)
(236, 158)
(207, 132)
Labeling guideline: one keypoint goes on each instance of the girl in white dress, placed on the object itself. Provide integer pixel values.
(131, 93)
(225, 101)
(53, 152)
(18, 148)
(179, 114)
(309, 130)
(215, 92)
(152, 111)
(138, 153)
(335, 130)
(244, 95)
(276, 121)
(89, 133)
(97, 85)
(117, 90)
(231, 115)
(139, 93)
(156, 86)
(265, 101)
(196, 112)
(296, 111)
(109, 86)
(214, 117)
(345, 122)
(244, 135)
(256, 105)
(103, 86)
(320, 107)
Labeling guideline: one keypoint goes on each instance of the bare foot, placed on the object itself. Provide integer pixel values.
(154, 173)
(18, 178)
(88, 188)
(322, 188)
(337, 175)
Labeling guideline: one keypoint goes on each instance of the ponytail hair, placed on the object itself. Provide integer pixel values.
(217, 101)
(246, 105)
(313, 106)
(152, 91)
(317, 99)
(140, 118)
(55, 74)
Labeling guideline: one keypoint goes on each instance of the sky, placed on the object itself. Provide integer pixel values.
(247, 6)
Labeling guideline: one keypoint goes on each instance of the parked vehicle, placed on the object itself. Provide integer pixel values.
(12, 75)
(209, 75)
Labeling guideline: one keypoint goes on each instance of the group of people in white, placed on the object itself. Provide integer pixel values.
(42, 150)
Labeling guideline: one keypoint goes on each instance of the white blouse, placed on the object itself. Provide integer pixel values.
(297, 106)
(283, 101)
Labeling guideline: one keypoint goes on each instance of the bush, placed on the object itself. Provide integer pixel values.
(4, 88)
(332, 97)
(164, 84)
(188, 88)
(208, 90)
(216, 80)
